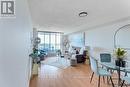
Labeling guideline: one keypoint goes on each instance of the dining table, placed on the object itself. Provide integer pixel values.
(113, 66)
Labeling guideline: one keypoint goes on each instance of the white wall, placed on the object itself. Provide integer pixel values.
(101, 39)
(15, 47)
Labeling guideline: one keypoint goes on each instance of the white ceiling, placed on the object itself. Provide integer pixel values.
(62, 15)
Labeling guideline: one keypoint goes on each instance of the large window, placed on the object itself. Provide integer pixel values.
(50, 41)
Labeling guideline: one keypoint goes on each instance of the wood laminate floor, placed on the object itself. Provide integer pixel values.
(78, 76)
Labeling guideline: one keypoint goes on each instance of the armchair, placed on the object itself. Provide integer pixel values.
(81, 58)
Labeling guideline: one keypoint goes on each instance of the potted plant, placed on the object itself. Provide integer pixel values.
(35, 61)
(120, 55)
(58, 52)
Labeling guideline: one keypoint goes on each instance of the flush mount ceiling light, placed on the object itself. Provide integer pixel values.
(83, 14)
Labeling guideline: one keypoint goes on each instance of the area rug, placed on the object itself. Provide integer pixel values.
(61, 63)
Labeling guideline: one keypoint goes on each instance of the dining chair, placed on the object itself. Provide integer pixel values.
(98, 71)
(125, 79)
(105, 57)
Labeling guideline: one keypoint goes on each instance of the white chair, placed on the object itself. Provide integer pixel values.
(99, 71)
(125, 79)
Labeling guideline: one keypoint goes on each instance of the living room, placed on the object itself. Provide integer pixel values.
(107, 38)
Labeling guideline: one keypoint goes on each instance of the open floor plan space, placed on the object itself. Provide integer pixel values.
(72, 76)
(64, 43)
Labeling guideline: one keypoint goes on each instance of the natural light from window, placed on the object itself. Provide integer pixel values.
(50, 41)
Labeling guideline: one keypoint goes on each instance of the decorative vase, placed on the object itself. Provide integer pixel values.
(35, 69)
(120, 62)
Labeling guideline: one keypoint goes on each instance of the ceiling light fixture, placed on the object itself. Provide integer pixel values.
(83, 14)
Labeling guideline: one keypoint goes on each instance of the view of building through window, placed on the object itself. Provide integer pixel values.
(50, 41)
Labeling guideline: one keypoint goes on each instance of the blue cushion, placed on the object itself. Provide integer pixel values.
(127, 79)
(103, 72)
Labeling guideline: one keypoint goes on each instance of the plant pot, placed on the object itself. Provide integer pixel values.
(35, 69)
(120, 63)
